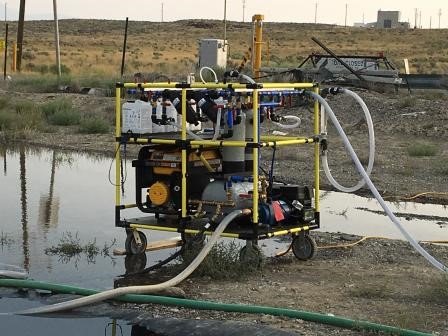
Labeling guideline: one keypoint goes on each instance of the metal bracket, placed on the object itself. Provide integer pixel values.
(137, 239)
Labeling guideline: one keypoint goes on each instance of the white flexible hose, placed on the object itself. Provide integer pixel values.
(375, 192)
(197, 137)
(109, 294)
(368, 117)
(13, 274)
(247, 78)
(209, 69)
(12, 271)
(289, 126)
(218, 125)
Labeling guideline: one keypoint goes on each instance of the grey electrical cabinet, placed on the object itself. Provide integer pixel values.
(212, 53)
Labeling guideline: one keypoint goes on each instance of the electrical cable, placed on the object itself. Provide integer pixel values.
(112, 293)
(406, 198)
(321, 318)
(373, 189)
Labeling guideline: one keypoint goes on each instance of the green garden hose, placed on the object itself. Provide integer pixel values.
(226, 307)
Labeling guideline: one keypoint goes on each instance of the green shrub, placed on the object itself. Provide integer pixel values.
(94, 125)
(60, 112)
(65, 118)
(29, 116)
(55, 106)
(420, 149)
(4, 102)
(6, 120)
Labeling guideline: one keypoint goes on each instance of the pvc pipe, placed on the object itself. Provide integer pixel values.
(375, 192)
(112, 293)
(368, 117)
(209, 69)
(337, 321)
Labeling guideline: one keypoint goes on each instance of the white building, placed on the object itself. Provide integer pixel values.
(390, 19)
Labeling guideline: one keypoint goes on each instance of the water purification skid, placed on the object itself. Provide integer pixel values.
(187, 181)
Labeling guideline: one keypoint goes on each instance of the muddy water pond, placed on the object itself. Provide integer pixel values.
(48, 196)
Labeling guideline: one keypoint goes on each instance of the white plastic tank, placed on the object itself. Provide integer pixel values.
(136, 117)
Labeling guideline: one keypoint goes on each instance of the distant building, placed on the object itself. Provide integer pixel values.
(390, 19)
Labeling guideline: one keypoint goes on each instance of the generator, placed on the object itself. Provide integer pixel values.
(187, 181)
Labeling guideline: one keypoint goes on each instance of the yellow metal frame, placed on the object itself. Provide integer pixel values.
(257, 143)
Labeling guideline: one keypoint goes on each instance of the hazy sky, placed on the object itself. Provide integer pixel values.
(329, 11)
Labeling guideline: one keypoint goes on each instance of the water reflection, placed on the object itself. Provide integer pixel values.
(3, 153)
(23, 203)
(48, 205)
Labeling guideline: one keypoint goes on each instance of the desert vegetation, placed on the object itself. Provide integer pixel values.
(94, 47)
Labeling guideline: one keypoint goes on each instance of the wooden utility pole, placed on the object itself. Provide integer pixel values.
(315, 14)
(6, 52)
(20, 34)
(56, 37)
(162, 11)
(124, 47)
(346, 10)
(244, 9)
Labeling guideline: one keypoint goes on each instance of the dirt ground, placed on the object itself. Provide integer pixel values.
(382, 281)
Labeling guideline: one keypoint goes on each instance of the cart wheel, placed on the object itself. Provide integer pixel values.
(134, 263)
(251, 255)
(304, 247)
(131, 245)
(193, 245)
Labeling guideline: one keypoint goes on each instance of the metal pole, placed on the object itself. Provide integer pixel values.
(6, 52)
(315, 14)
(440, 14)
(56, 37)
(6, 9)
(124, 46)
(20, 34)
(345, 65)
(162, 11)
(244, 9)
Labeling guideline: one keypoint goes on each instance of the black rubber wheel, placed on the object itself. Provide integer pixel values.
(134, 263)
(193, 244)
(251, 255)
(304, 247)
(131, 245)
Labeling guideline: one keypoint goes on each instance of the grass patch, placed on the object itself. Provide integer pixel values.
(436, 291)
(409, 101)
(222, 263)
(70, 246)
(5, 240)
(420, 149)
(370, 292)
(94, 125)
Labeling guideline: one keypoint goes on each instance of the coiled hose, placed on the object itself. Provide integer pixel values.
(368, 118)
(112, 293)
(336, 321)
(372, 187)
(289, 126)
